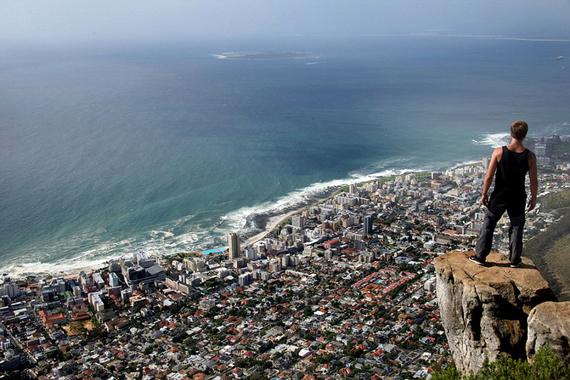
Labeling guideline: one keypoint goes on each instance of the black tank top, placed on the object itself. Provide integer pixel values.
(510, 175)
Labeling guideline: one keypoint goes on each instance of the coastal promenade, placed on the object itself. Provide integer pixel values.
(272, 223)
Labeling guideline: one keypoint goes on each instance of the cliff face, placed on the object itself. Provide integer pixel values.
(484, 310)
(549, 324)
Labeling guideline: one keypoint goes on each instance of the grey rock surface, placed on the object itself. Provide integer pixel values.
(549, 324)
(484, 310)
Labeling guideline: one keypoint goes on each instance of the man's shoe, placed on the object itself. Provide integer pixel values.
(517, 265)
(476, 260)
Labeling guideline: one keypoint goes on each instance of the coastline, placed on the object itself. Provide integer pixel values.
(269, 220)
(272, 223)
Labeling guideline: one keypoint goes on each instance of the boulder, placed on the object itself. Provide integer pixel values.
(549, 324)
(484, 309)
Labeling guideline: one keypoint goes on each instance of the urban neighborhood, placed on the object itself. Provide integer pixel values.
(342, 288)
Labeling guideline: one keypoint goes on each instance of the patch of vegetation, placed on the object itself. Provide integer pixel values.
(180, 256)
(423, 176)
(549, 250)
(545, 366)
(555, 201)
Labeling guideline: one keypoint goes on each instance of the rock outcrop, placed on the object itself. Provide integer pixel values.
(549, 324)
(484, 310)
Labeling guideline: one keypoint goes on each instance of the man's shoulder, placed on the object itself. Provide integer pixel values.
(498, 152)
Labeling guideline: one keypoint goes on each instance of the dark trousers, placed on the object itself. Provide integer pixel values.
(497, 206)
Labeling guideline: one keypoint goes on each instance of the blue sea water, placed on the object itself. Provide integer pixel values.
(106, 149)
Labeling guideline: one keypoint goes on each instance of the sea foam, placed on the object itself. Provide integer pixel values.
(163, 241)
(494, 140)
(239, 219)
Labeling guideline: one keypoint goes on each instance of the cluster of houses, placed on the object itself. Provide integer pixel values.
(343, 289)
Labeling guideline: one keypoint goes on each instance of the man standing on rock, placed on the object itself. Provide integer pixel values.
(509, 164)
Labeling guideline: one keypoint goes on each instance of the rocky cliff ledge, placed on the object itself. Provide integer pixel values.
(484, 310)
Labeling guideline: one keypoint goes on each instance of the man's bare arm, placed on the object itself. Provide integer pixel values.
(533, 182)
(495, 157)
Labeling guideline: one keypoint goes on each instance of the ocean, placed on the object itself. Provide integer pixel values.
(109, 149)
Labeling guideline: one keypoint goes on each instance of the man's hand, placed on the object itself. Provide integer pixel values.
(491, 169)
(533, 181)
(531, 204)
(484, 200)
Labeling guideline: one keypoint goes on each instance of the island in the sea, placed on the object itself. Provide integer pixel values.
(266, 55)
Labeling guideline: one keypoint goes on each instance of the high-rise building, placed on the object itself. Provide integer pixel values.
(368, 224)
(298, 221)
(250, 253)
(10, 289)
(245, 279)
(144, 260)
(540, 149)
(233, 243)
(113, 280)
(195, 264)
(274, 266)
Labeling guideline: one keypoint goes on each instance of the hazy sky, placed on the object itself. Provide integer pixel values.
(78, 20)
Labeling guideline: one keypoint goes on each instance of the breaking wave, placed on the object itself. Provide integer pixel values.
(183, 235)
(494, 140)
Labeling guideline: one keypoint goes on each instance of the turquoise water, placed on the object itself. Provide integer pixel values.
(105, 150)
